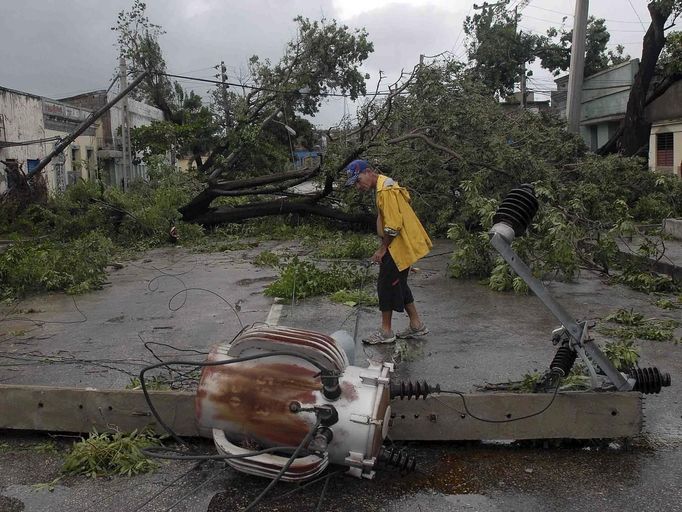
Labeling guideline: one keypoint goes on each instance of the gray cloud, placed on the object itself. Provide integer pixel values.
(58, 48)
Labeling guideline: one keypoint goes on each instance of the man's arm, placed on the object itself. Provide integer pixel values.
(381, 251)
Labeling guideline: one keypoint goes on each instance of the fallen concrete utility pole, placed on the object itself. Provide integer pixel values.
(61, 146)
(574, 415)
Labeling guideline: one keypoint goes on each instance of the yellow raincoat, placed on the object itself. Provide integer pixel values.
(397, 217)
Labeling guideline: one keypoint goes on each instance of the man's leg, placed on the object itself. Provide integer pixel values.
(415, 320)
(386, 317)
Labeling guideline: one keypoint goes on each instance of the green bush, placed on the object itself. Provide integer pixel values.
(355, 298)
(300, 279)
(111, 454)
(623, 354)
(348, 246)
(266, 259)
(74, 267)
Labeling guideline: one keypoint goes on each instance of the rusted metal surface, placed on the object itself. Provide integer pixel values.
(251, 400)
(320, 347)
(249, 403)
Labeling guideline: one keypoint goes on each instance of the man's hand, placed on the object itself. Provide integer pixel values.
(379, 254)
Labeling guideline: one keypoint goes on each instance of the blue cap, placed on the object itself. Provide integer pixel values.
(354, 169)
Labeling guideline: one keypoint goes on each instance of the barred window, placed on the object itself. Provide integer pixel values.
(664, 149)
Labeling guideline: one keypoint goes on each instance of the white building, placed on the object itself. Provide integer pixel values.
(109, 139)
(29, 128)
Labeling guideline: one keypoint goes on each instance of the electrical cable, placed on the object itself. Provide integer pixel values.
(195, 489)
(268, 89)
(304, 442)
(324, 490)
(167, 486)
(171, 454)
(241, 324)
(509, 420)
(6, 143)
(306, 485)
(44, 322)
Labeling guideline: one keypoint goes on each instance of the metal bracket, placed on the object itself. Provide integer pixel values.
(577, 331)
(373, 381)
(365, 420)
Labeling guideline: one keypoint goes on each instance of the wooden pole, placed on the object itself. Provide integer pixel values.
(84, 126)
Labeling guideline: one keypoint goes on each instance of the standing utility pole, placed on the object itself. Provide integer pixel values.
(523, 64)
(64, 143)
(577, 67)
(226, 103)
(125, 125)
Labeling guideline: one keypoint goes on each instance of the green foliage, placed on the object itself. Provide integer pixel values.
(74, 267)
(301, 279)
(529, 381)
(354, 298)
(471, 257)
(497, 49)
(646, 282)
(502, 279)
(634, 325)
(104, 454)
(623, 354)
(664, 303)
(348, 246)
(266, 259)
(555, 50)
(625, 317)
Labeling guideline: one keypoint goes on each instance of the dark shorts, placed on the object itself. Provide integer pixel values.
(392, 286)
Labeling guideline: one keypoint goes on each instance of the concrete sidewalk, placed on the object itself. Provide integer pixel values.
(669, 263)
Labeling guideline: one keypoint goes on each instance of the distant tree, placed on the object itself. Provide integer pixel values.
(555, 52)
(497, 51)
(137, 41)
(659, 68)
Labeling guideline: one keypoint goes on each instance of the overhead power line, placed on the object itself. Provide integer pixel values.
(571, 15)
(269, 89)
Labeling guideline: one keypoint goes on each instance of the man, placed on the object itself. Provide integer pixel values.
(403, 242)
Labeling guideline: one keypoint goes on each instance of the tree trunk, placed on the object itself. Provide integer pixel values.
(197, 206)
(280, 207)
(635, 127)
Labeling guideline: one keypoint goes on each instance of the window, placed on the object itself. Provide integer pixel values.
(664, 149)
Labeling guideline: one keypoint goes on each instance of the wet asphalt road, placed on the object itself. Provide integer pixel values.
(476, 336)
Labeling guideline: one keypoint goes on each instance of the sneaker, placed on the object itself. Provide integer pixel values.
(411, 332)
(379, 337)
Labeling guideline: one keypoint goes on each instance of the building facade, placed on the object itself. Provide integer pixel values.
(109, 133)
(665, 140)
(31, 125)
(604, 101)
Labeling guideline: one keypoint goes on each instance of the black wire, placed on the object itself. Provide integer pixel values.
(167, 486)
(304, 442)
(153, 410)
(324, 490)
(172, 347)
(43, 322)
(195, 489)
(277, 91)
(307, 484)
(487, 420)
(171, 454)
(236, 313)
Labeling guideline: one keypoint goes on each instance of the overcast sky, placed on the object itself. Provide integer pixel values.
(61, 48)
